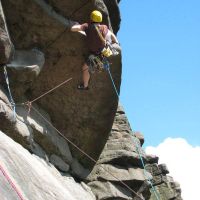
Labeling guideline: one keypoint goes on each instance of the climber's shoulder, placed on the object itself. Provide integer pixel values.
(79, 27)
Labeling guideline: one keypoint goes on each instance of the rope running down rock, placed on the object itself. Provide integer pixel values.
(12, 103)
(11, 183)
(137, 147)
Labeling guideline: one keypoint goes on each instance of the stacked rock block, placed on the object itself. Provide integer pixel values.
(166, 188)
(118, 162)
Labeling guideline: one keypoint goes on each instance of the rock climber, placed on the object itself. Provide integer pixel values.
(94, 42)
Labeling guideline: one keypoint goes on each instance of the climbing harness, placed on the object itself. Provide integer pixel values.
(12, 103)
(11, 183)
(95, 64)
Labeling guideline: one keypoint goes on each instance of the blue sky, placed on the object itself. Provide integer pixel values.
(161, 68)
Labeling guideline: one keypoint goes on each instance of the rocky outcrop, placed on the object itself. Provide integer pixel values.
(165, 187)
(119, 173)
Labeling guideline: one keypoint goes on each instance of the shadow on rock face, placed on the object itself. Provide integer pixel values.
(23, 70)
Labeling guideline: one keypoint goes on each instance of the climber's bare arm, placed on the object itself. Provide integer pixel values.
(76, 28)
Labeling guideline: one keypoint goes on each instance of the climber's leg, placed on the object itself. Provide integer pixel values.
(85, 76)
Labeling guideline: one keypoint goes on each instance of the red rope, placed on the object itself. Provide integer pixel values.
(11, 183)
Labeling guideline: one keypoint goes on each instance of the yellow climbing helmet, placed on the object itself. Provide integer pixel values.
(96, 16)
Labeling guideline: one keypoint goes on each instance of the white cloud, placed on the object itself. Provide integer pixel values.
(183, 162)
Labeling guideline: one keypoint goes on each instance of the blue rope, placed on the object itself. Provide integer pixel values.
(10, 95)
(145, 171)
(107, 67)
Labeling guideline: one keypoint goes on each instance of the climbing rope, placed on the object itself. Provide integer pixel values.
(136, 144)
(11, 183)
(115, 88)
(145, 171)
(83, 152)
(30, 102)
(12, 103)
